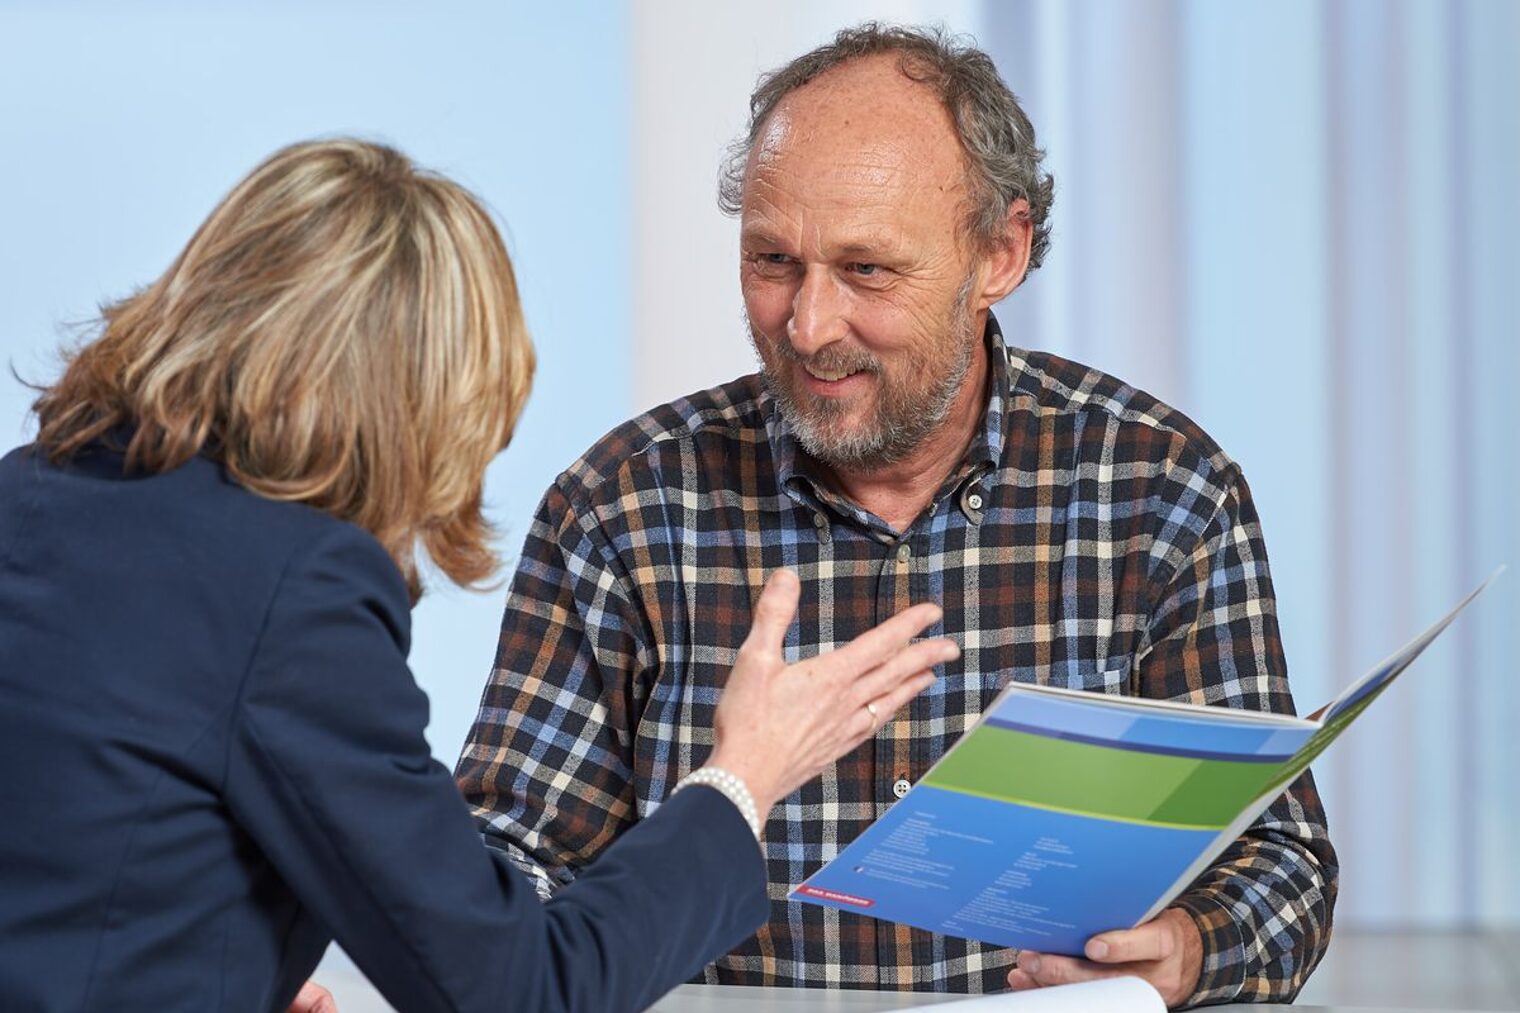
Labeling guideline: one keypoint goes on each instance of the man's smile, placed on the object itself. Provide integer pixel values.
(834, 382)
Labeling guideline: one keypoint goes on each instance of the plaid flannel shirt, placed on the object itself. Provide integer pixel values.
(1092, 538)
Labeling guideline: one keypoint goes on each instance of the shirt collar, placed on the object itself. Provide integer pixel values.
(793, 466)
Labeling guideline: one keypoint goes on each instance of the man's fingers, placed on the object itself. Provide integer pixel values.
(1046, 969)
(774, 612)
(902, 667)
(1150, 941)
(874, 646)
(1020, 981)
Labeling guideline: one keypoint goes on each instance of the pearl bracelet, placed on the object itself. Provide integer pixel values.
(733, 788)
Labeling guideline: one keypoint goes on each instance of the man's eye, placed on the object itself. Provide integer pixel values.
(865, 270)
(772, 265)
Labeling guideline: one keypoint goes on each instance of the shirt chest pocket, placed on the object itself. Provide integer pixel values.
(988, 670)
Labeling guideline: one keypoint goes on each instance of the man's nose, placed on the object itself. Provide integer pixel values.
(818, 312)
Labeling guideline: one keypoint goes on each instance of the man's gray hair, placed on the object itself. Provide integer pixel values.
(1002, 159)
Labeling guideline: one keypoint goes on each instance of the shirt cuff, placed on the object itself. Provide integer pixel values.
(1223, 971)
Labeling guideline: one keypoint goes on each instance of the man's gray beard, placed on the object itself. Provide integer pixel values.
(903, 419)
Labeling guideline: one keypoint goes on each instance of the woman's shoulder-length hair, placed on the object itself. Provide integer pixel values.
(343, 331)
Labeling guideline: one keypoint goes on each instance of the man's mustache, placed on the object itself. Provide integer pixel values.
(829, 360)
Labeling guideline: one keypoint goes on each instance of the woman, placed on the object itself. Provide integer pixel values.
(212, 748)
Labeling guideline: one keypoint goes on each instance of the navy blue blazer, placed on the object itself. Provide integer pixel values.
(212, 762)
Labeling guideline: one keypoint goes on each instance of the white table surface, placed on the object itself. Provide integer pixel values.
(1364, 972)
(741, 999)
(355, 995)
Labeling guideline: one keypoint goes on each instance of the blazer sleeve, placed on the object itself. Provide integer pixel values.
(328, 770)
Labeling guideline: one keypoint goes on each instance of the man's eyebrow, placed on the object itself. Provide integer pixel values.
(869, 245)
(759, 235)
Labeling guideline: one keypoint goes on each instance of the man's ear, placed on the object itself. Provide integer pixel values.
(1006, 263)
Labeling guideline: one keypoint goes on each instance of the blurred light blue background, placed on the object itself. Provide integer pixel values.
(1290, 220)
(124, 127)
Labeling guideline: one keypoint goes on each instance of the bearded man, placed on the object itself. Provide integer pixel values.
(892, 449)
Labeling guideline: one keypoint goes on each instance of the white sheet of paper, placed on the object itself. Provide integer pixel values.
(1106, 995)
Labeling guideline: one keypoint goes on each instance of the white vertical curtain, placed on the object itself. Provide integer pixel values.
(1294, 221)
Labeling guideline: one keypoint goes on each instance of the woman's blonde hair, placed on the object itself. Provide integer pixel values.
(343, 331)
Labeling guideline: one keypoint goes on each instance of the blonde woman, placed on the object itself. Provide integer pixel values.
(212, 749)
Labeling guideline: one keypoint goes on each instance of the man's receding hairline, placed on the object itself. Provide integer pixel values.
(946, 116)
(899, 59)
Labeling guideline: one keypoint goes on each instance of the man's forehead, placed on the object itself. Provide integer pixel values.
(866, 116)
(855, 232)
(861, 158)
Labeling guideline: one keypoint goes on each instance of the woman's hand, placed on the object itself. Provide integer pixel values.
(779, 725)
(313, 998)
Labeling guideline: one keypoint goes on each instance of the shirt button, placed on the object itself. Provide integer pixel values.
(900, 787)
(903, 552)
(974, 501)
(821, 525)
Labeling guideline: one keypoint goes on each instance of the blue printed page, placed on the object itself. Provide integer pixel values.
(1059, 816)
(1008, 874)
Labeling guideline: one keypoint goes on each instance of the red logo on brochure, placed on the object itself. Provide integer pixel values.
(836, 896)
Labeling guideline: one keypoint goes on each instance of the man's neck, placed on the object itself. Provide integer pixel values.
(899, 492)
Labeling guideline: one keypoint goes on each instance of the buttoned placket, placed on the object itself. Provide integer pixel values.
(894, 744)
(903, 579)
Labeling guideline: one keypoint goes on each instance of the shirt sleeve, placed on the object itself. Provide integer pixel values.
(330, 774)
(1264, 907)
(548, 766)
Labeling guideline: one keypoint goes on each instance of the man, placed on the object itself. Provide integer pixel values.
(1076, 532)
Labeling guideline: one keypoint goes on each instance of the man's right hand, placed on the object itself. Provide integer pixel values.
(778, 726)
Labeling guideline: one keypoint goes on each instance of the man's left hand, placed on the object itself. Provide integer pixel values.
(1166, 951)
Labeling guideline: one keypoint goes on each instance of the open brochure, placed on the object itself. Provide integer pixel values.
(1062, 814)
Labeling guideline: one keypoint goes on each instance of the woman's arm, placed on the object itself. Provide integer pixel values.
(330, 773)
